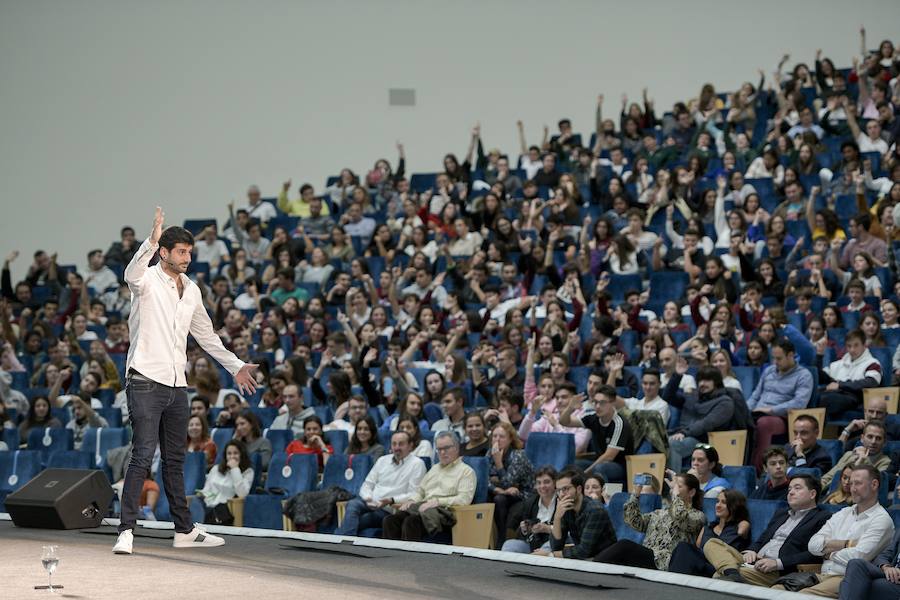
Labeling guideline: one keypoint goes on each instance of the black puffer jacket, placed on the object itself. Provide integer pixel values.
(700, 413)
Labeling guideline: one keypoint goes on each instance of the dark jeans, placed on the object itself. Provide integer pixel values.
(837, 403)
(159, 416)
(502, 505)
(628, 554)
(865, 580)
(359, 516)
(689, 559)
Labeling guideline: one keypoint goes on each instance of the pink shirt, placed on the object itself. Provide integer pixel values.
(542, 425)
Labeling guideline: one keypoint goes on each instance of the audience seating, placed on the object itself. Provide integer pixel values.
(554, 449)
(49, 440)
(194, 478)
(655, 464)
(731, 446)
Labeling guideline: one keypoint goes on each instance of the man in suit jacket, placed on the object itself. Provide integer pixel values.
(782, 546)
(876, 580)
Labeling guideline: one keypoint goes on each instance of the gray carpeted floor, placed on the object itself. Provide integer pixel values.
(262, 568)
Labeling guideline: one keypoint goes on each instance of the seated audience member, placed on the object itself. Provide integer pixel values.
(365, 439)
(841, 496)
(83, 416)
(732, 526)
(869, 452)
(248, 430)
(846, 378)
(454, 414)
(450, 482)
(612, 434)
(875, 411)
(296, 413)
(707, 468)
(312, 442)
(200, 408)
(348, 415)
(545, 416)
(231, 478)
(593, 488)
(878, 579)
(577, 518)
(665, 528)
(710, 409)
(39, 417)
(859, 531)
(805, 450)
(535, 514)
(476, 431)
(783, 386)
(392, 480)
(774, 483)
(421, 447)
(198, 439)
(781, 547)
(510, 476)
(233, 408)
(651, 401)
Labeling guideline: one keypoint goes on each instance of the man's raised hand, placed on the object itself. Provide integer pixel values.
(158, 219)
(245, 380)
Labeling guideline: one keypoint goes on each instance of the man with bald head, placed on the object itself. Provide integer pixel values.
(667, 360)
(296, 413)
(875, 411)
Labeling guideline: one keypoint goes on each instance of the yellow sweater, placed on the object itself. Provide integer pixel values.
(450, 486)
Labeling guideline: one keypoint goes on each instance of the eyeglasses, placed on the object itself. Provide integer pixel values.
(565, 488)
(444, 448)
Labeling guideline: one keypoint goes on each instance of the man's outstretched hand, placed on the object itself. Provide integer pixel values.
(245, 380)
(156, 232)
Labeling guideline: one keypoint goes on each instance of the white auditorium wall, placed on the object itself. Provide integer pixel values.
(108, 108)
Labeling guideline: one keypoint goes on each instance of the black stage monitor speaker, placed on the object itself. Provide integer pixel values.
(61, 499)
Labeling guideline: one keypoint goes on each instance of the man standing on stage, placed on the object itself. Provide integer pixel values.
(166, 306)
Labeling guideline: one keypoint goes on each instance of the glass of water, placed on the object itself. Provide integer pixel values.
(50, 560)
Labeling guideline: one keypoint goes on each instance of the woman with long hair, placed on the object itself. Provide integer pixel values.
(422, 447)
(476, 431)
(365, 439)
(312, 442)
(707, 468)
(732, 526)
(231, 478)
(199, 440)
(39, 417)
(681, 520)
(248, 430)
(511, 475)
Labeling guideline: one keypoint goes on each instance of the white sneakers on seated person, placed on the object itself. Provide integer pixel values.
(197, 538)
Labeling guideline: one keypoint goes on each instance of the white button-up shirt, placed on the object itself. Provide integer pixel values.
(871, 531)
(160, 322)
(390, 479)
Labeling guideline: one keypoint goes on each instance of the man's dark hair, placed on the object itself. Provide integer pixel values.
(871, 470)
(783, 343)
(878, 425)
(575, 476)
(710, 374)
(653, 372)
(607, 390)
(809, 419)
(125, 230)
(175, 235)
(305, 186)
(568, 386)
(516, 400)
(457, 393)
(286, 272)
(564, 122)
(774, 451)
(863, 220)
(810, 482)
(546, 471)
(93, 252)
(857, 335)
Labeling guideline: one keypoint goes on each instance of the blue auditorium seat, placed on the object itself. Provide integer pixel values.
(835, 449)
(616, 510)
(221, 436)
(335, 472)
(280, 438)
(749, 377)
(194, 478)
(10, 437)
(263, 512)
(620, 284)
(49, 440)
(17, 467)
(109, 438)
(482, 471)
(302, 477)
(266, 415)
(71, 459)
(761, 512)
(554, 449)
(667, 285)
(338, 440)
(743, 479)
(709, 509)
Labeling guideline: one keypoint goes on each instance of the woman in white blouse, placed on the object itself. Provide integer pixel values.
(232, 477)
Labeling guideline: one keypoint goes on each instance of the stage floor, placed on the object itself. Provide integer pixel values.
(321, 567)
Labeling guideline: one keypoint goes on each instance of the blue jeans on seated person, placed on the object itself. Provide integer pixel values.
(358, 516)
(521, 546)
(865, 580)
(611, 472)
(678, 451)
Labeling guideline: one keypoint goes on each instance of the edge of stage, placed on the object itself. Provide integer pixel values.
(271, 563)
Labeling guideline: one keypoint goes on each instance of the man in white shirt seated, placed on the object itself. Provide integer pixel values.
(355, 411)
(667, 359)
(99, 277)
(256, 208)
(870, 140)
(650, 383)
(296, 413)
(210, 249)
(392, 480)
(858, 531)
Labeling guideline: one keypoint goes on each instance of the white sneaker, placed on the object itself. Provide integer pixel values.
(124, 543)
(197, 538)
